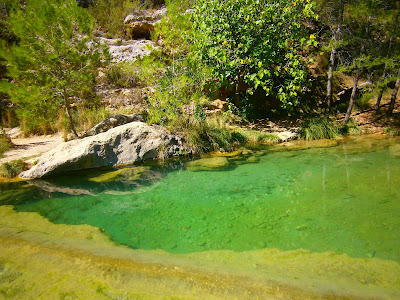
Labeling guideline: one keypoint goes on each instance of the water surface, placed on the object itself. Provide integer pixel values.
(344, 199)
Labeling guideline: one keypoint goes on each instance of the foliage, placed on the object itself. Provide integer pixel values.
(258, 43)
(176, 7)
(207, 135)
(123, 75)
(392, 131)
(13, 168)
(363, 102)
(89, 117)
(5, 143)
(110, 14)
(349, 128)
(255, 136)
(179, 80)
(319, 128)
(55, 62)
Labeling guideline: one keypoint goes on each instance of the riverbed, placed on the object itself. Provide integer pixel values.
(299, 220)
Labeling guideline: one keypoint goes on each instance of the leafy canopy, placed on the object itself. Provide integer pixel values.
(55, 62)
(256, 42)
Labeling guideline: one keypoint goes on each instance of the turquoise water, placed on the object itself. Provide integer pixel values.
(344, 199)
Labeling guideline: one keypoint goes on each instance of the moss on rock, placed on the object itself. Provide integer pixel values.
(208, 164)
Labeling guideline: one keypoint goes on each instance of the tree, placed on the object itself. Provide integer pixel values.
(390, 14)
(332, 14)
(55, 62)
(256, 42)
(393, 97)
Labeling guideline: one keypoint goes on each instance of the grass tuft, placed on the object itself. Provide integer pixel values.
(208, 135)
(13, 168)
(319, 128)
(123, 75)
(392, 131)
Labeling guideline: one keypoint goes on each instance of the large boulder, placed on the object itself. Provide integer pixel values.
(112, 122)
(140, 23)
(126, 144)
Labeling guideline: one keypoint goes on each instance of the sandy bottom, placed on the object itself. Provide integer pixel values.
(41, 260)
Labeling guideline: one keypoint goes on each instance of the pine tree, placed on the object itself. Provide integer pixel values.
(55, 62)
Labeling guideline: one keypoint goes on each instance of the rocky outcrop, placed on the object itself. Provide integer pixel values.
(126, 144)
(112, 122)
(122, 51)
(140, 24)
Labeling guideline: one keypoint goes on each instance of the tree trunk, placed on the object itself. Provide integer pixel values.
(336, 38)
(378, 100)
(68, 110)
(237, 96)
(393, 98)
(353, 96)
(330, 77)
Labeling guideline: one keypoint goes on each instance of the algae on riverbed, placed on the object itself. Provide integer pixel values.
(340, 204)
(39, 259)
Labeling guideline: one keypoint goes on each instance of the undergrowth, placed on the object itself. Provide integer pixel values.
(325, 128)
(392, 131)
(123, 75)
(5, 143)
(208, 134)
(319, 128)
(254, 136)
(13, 168)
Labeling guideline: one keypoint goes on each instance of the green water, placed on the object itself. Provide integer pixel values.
(344, 199)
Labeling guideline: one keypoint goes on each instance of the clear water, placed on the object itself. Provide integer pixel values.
(344, 199)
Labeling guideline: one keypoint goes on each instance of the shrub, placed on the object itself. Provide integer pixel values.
(13, 168)
(350, 127)
(319, 128)
(207, 135)
(363, 102)
(392, 131)
(123, 75)
(257, 43)
(5, 143)
(89, 117)
(110, 14)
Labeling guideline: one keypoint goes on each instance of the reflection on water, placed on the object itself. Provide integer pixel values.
(344, 199)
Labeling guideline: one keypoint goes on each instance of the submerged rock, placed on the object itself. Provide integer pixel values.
(253, 159)
(124, 144)
(208, 164)
(128, 173)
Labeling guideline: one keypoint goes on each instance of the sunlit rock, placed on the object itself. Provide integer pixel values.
(121, 145)
(124, 51)
(140, 23)
(112, 122)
